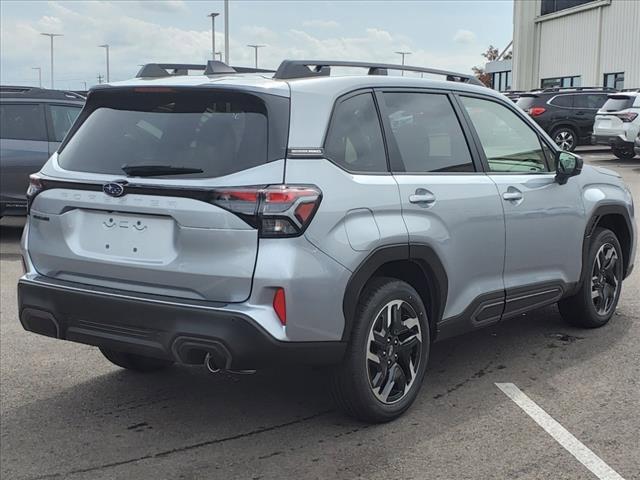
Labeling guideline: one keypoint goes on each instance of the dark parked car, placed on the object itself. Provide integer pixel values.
(566, 114)
(636, 146)
(33, 122)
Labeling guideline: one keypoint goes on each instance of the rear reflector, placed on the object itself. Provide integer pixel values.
(280, 305)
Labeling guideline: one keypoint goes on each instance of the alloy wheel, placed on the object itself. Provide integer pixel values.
(604, 279)
(564, 139)
(394, 349)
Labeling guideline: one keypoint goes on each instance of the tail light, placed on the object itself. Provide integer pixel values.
(627, 117)
(276, 211)
(35, 187)
(536, 111)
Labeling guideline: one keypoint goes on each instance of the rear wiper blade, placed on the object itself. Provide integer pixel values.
(153, 170)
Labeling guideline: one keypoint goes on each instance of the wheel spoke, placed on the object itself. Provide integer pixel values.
(408, 344)
(373, 357)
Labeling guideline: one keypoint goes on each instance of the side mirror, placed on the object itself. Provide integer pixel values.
(567, 165)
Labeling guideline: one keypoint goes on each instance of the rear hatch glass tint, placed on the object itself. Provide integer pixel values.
(616, 103)
(199, 133)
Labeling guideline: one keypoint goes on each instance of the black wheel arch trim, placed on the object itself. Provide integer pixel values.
(599, 212)
(424, 256)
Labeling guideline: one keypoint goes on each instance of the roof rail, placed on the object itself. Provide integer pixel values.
(559, 89)
(290, 69)
(630, 90)
(213, 67)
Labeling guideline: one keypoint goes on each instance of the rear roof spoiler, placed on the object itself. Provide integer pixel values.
(213, 67)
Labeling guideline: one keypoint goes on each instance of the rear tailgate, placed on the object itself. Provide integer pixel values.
(161, 232)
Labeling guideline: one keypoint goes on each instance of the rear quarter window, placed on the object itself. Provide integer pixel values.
(219, 133)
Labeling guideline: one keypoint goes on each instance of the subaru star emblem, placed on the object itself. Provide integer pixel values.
(113, 189)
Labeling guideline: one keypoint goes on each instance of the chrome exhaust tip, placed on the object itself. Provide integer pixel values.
(210, 363)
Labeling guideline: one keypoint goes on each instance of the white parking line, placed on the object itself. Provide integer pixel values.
(560, 434)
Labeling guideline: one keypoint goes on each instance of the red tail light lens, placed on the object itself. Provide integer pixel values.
(627, 117)
(536, 111)
(277, 211)
(280, 305)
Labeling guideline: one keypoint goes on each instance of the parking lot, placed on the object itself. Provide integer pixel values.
(68, 413)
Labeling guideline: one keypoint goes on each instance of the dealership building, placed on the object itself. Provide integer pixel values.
(572, 43)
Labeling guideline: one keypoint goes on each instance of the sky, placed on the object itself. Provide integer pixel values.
(440, 34)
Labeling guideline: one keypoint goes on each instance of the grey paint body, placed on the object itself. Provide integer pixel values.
(485, 243)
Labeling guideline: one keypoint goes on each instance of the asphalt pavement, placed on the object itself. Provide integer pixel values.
(66, 412)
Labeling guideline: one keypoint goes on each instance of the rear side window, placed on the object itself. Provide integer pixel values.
(219, 133)
(427, 133)
(354, 140)
(62, 117)
(563, 101)
(22, 121)
(616, 103)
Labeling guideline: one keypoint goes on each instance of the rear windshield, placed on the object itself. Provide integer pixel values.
(617, 103)
(526, 102)
(211, 133)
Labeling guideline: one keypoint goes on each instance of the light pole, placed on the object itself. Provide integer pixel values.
(213, 33)
(39, 75)
(226, 32)
(403, 55)
(51, 35)
(106, 47)
(255, 49)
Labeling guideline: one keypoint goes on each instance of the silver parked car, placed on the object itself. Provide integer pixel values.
(243, 220)
(33, 122)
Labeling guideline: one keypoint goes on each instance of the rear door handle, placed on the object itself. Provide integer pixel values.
(512, 195)
(422, 196)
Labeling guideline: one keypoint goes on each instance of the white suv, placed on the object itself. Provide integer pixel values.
(618, 123)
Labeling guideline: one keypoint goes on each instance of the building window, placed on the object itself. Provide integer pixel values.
(501, 81)
(614, 80)
(551, 6)
(574, 81)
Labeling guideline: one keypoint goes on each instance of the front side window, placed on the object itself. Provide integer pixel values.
(427, 133)
(354, 140)
(591, 101)
(509, 144)
(22, 121)
(62, 117)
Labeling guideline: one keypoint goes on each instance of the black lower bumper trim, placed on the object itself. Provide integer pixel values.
(163, 330)
(611, 140)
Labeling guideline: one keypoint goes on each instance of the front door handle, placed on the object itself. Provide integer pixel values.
(422, 196)
(512, 195)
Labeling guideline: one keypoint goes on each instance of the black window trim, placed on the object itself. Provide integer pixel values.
(393, 149)
(339, 100)
(51, 133)
(519, 113)
(46, 123)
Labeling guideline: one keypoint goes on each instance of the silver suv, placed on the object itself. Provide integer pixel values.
(244, 220)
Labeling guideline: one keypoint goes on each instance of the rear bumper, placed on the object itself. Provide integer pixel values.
(611, 140)
(159, 327)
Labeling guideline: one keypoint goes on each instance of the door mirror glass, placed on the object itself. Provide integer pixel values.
(567, 165)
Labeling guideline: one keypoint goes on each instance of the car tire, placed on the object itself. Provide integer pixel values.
(626, 153)
(595, 302)
(138, 363)
(384, 365)
(565, 138)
